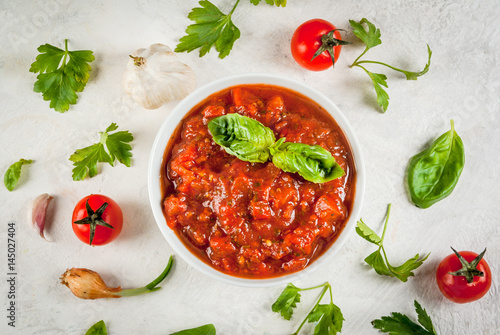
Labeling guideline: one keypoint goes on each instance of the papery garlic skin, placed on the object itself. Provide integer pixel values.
(88, 284)
(39, 213)
(155, 76)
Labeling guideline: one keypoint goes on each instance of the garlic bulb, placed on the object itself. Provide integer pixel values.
(154, 76)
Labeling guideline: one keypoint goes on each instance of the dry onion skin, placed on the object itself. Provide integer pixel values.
(155, 76)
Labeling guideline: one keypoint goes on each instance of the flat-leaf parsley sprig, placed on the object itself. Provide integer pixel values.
(213, 28)
(328, 317)
(62, 73)
(378, 260)
(371, 38)
(118, 148)
(400, 324)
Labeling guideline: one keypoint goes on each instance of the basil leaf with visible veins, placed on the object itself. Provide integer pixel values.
(312, 162)
(434, 173)
(243, 137)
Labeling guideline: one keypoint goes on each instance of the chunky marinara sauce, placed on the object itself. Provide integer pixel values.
(253, 219)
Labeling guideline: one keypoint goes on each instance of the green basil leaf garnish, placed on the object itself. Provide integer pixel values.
(312, 162)
(251, 141)
(243, 137)
(208, 329)
(434, 173)
(98, 329)
(13, 173)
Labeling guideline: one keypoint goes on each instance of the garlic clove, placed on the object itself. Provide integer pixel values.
(88, 284)
(39, 213)
(155, 76)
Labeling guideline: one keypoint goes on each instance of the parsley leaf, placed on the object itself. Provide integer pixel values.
(378, 259)
(13, 173)
(59, 79)
(85, 160)
(367, 233)
(278, 3)
(371, 38)
(212, 27)
(287, 301)
(329, 318)
(400, 324)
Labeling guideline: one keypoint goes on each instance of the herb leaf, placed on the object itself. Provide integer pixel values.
(59, 84)
(367, 233)
(404, 271)
(85, 160)
(377, 262)
(378, 259)
(98, 328)
(400, 324)
(278, 3)
(287, 301)
(329, 318)
(208, 329)
(370, 37)
(243, 137)
(434, 173)
(314, 163)
(211, 27)
(414, 75)
(13, 173)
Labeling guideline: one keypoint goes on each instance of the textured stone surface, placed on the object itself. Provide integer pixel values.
(463, 84)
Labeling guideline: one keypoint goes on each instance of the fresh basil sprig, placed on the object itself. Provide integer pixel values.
(251, 141)
(243, 137)
(434, 173)
(311, 161)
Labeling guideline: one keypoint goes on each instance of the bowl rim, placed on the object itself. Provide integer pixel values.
(177, 114)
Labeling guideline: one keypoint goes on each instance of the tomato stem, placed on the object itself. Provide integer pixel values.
(468, 270)
(93, 219)
(328, 43)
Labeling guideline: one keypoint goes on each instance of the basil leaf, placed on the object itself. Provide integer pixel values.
(310, 161)
(13, 173)
(243, 137)
(202, 330)
(98, 329)
(434, 173)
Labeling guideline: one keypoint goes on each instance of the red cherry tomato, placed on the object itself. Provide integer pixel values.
(100, 218)
(307, 40)
(456, 287)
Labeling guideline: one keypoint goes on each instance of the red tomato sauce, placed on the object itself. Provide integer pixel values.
(253, 219)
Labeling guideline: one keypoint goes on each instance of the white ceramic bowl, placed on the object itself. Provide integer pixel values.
(176, 116)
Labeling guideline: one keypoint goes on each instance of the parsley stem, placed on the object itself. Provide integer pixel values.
(386, 220)
(234, 7)
(326, 286)
(355, 62)
(380, 63)
(65, 53)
